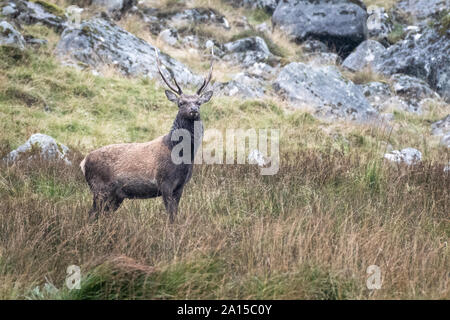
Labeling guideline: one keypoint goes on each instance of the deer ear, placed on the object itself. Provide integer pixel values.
(171, 96)
(204, 98)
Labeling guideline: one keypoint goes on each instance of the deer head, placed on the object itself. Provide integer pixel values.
(188, 105)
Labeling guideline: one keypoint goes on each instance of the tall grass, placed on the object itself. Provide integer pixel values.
(308, 232)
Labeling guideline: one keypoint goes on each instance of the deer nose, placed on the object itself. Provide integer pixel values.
(194, 111)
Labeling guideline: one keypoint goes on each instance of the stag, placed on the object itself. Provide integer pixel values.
(147, 170)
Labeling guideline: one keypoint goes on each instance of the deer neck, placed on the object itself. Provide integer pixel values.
(180, 127)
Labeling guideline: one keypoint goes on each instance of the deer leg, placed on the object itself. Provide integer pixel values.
(170, 201)
(96, 207)
(104, 203)
(177, 196)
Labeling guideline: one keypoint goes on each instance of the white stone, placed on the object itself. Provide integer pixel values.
(409, 156)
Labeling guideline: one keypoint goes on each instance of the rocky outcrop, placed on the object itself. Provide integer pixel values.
(379, 24)
(376, 93)
(27, 12)
(423, 9)
(341, 24)
(247, 51)
(365, 55)
(324, 89)
(242, 85)
(267, 5)
(424, 55)
(116, 8)
(412, 90)
(314, 46)
(322, 58)
(183, 20)
(99, 42)
(45, 146)
(10, 37)
(200, 16)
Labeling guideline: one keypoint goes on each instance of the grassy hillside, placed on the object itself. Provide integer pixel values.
(308, 232)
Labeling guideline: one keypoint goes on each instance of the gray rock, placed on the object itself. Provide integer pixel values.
(242, 85)
(323, 58)
(396, 103)
(199, 16)
(10, 37)
(27, 12)
(100, 42)
(408, 156)
(412, 90)
(312, 46)
(192, 41)
(263, 27)
(48, 149)
(376, 93)
(169, 36)
(379, 25)
(445, 140)
(441, 127)
(10, 9)
(423, 9)
(36, 43)
(324, 89)
(262, 70)
(267, 5)
(247, 51)
(341, 24)
(367, 54)
(423, 55)
(116, 8)
(257, 157)
(182, 19)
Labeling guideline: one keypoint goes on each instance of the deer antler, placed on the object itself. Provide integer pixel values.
(158, 63)
(208, 78)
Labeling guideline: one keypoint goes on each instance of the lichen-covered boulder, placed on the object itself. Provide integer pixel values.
(408, 156)
(10, 37)
(116, 8)
(376, 93)
(267, 5)
(423, 9)
(322, 58)
(368, 53)
(412, 90)
(45, 146)
(28, 12)
(243, 85)
(341, 24)
(100, 42)
(379, 24)
(425, 55)
(247, 51)
(324, 89)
